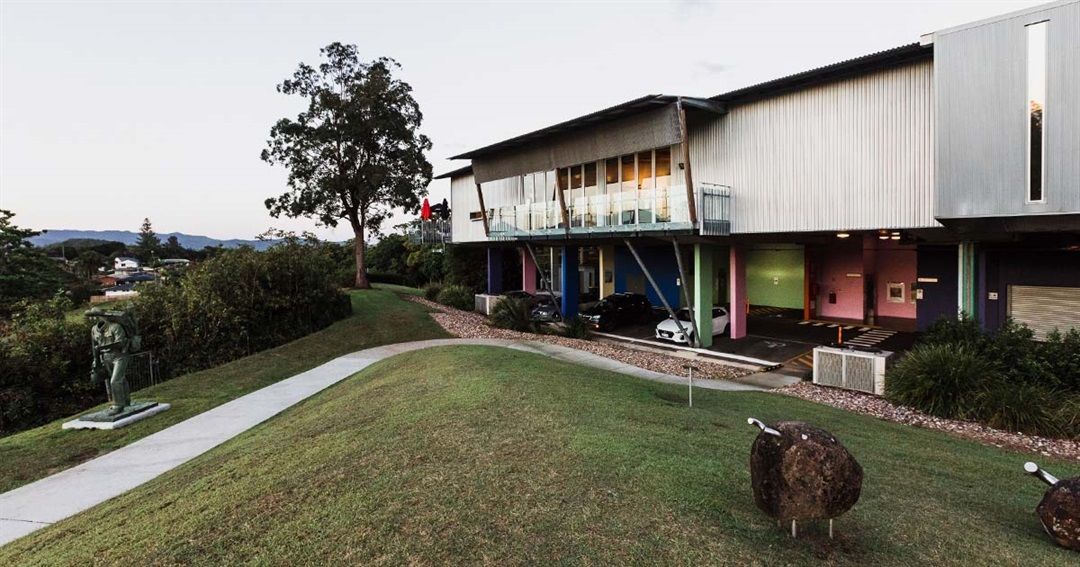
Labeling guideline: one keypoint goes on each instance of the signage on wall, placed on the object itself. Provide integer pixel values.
(993, 295)
(927, 280)
(854, 275)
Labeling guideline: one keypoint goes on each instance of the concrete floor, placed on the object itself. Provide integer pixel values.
(780, 336)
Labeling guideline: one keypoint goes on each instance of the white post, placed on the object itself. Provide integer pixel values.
(691, 369)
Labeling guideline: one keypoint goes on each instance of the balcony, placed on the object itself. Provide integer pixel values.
(621, 213)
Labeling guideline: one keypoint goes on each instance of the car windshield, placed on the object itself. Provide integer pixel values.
(683, 314)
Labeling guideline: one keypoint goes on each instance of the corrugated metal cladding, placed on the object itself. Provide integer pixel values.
(981, 75)
(853, 154)
(464, 202)
(644, 131)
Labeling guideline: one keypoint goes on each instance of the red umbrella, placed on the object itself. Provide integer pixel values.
(425, 210)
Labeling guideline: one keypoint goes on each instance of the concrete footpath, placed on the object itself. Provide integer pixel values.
(64, 494)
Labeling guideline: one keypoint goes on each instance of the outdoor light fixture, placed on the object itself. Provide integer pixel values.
(842, 235)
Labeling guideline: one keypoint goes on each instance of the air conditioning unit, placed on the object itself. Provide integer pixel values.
(483, 302)
(851, 369)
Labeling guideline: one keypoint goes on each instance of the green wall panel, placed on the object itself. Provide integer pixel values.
(775, 277)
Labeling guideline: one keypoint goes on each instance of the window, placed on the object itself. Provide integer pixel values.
(645, 170)
(663, 168)
(628, 173)
(1036, 109)
(611, 173)
(896, 292)
(476, 215)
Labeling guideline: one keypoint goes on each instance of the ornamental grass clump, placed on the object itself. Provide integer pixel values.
(513, 314)
(940, 380)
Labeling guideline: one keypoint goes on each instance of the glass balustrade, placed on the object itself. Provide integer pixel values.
(663, 208)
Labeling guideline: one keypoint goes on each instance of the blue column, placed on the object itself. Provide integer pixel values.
(494, 271)
(571, 282)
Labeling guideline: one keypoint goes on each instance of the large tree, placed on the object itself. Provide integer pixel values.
(355, 153)
(148, 245)
(25, 271)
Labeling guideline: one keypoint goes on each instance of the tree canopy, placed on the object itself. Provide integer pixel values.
(25, 271)
(148, 246)
(355, 154)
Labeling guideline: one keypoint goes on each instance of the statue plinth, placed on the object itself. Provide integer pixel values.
(103, 419)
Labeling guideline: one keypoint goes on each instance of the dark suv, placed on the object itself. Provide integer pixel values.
(618, 309)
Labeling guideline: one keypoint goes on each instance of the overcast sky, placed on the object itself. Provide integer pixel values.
(111, 112)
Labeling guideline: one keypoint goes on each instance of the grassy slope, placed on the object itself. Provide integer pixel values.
(379, 317)
(484, 455)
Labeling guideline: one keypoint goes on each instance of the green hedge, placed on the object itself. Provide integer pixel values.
(234, 304)
(457, 296)
(1005, 379)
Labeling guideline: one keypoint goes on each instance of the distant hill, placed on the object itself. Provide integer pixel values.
(191, 241)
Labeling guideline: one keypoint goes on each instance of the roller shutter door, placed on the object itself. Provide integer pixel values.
(1045, 308)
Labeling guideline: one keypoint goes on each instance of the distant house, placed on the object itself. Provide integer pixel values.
(175, 262)
(126, 263)
(136, 278)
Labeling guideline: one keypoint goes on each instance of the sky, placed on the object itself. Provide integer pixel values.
(115, 111)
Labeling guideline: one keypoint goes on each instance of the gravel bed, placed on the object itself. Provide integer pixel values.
(881, 408)
(470, 325)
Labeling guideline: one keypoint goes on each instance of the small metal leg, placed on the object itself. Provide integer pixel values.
(830, 529)
(794, 529)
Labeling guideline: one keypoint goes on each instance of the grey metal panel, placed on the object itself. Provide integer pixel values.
(852, 154)
(644, 131)
(981, 81)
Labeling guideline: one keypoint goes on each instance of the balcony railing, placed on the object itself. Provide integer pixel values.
(664, 209)
(432, 231)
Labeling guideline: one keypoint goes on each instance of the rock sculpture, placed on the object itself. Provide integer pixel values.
(800, 472)
(1059, 510)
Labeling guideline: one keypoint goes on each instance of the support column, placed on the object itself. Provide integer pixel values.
(571, 282)
(737, 288)
(494, 271)
(528, 272)
(966, 278)
(704, 272)
(607, 268)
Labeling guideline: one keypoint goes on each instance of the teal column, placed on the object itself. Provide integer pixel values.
(966, 288)
(704, 268)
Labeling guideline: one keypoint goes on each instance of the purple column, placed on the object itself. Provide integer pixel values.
(494, 271)
(737, 287)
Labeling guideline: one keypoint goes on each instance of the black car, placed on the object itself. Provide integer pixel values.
(618, 309)
(544, 310)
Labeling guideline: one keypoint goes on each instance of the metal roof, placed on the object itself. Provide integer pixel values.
(455, 173)
(856, 66)
(635, 106)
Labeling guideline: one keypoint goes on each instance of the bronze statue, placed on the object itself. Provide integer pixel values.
(115, 337)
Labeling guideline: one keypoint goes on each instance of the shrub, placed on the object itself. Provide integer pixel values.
(431, 291)
(1012, 406)
(240, 302)
(45, 357)
(457, 296)
(1061, 353)
(574, 328)
(512, 313)
(940, 379)
(951, 331)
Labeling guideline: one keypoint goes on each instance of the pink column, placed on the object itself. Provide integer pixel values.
(737, 287)
(528, 272)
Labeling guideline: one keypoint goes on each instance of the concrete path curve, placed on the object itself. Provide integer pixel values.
(51, 499)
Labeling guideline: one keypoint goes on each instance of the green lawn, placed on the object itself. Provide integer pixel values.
(379, 317)
(486, 455)
(401, 289)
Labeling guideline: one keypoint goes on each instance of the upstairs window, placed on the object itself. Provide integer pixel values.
(1036, 109)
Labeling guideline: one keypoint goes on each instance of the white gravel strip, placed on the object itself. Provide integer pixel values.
(881, 408)
(470, 325)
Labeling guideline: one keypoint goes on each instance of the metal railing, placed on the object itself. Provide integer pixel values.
(144, 371)
(433, 231)
(714, 209)
(662, 209)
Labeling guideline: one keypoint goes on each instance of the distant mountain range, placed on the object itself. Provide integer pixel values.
(192, 241)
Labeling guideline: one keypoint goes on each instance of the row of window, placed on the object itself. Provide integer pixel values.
(1036, 108)
(641, 171)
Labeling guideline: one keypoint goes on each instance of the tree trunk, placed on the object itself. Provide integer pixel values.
(359, 248)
